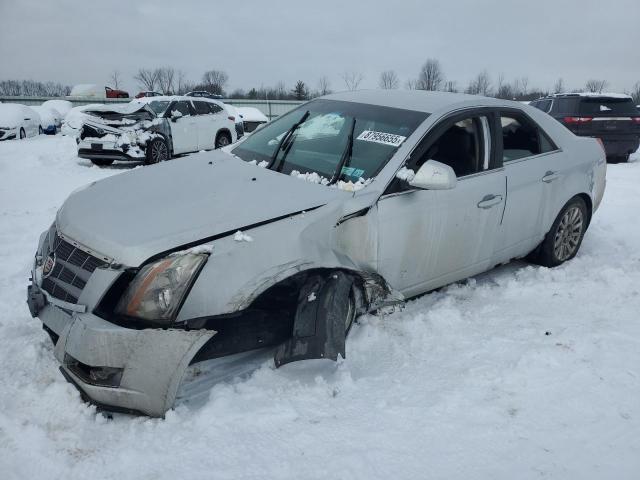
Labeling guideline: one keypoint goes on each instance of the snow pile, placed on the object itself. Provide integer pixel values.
(262, 164)
(521, 373)
(405, 174)
(13, 114)
(311, 177)
(62, 106)
(242, 237)
(314, 177)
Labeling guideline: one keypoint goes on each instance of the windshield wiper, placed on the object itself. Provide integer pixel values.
(285, 138)
(346, 155)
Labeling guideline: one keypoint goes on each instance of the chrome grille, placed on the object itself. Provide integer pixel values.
(71, 270)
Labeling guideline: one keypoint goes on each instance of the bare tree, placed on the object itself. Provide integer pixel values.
(324, 85)
(503, 89)
(115, 78)
(389, 80)
(480, 85)
(635, 93)
(165, 76)
(524, 81)
(215, 81)
(352, 80)
(558, 87)
(595, 86)
(411, 84)
(450, 86)
(146, 78)
(430, 76)
(280, 91)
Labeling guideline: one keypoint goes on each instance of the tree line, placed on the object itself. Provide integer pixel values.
(431, 77)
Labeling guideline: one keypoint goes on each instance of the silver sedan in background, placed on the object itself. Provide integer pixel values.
(350, 203)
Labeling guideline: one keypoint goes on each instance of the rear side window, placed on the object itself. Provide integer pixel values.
(202, 108)
(214, 108)
(607, 106)
(521, 138)
(565, 105)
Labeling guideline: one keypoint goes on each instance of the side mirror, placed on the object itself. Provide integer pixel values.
(175, 115)
(434, 175)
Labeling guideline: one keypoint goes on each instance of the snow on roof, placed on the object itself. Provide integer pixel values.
(592, 94)
(12, 114)
(62, 106)
(252, 114)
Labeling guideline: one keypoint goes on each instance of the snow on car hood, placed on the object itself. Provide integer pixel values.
(141, 213)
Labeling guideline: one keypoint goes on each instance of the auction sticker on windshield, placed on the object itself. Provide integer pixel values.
(381, 137)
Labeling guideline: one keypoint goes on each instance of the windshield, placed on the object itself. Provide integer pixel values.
(319, 143)
(159, 106)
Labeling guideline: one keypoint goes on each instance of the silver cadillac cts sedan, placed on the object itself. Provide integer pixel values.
(350, 203)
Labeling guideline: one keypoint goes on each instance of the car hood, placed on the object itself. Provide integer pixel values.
(133, 216)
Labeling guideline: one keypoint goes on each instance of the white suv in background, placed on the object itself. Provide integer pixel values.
(153, 129)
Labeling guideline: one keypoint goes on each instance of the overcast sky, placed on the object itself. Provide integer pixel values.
(262, 42)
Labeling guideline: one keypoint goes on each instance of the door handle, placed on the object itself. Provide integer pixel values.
(550, 176)
(489, 201)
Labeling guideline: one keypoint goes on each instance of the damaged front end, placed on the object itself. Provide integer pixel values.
(110, 134)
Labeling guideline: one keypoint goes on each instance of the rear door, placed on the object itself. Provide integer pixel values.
(534, 172)
(183, 127)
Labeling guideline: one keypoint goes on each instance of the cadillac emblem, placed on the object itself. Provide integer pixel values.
(48, 265)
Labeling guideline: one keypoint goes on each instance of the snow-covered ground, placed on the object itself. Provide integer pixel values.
(523, 372)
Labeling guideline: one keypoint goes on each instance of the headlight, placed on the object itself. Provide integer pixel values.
(157, 291)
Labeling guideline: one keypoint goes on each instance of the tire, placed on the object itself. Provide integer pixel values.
(563, 241)
(23, 134)
(157, 151)
(40, 131)
(101, 162)
(222, 140)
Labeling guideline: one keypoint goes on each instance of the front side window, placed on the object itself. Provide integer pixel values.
(462, 146)
(182, 108)
(324, 136)
(214, 108)
(521, 138)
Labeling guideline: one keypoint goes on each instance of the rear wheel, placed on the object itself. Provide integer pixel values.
(157, 151)
(101, 162)
(565, 237)
(223, 139)
(23, 134)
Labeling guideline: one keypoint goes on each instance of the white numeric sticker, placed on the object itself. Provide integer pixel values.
(381, 137)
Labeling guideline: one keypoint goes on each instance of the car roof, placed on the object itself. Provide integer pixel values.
(171, 98)
(418, 100)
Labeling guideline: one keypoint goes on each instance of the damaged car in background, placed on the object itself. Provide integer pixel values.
(154, 129)
(346, 205)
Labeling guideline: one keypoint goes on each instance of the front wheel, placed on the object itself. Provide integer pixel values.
(157, 151)
(222, 140)
(565, 237)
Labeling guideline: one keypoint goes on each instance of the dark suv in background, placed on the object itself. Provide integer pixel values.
(613, 118)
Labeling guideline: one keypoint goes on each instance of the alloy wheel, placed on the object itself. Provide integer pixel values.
(159, 151)
(568, 234)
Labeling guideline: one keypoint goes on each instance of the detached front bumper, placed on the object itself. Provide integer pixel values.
(109, 150)
(121, 369)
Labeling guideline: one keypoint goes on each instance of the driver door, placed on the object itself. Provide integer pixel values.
(184, 131)
(429, 238)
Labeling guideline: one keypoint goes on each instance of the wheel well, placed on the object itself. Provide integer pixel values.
(284, 294)
(224, 131)
(588, 202)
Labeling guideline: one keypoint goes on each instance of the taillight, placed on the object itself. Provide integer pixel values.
(233, 119)
(577, 119)
(636, 120)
